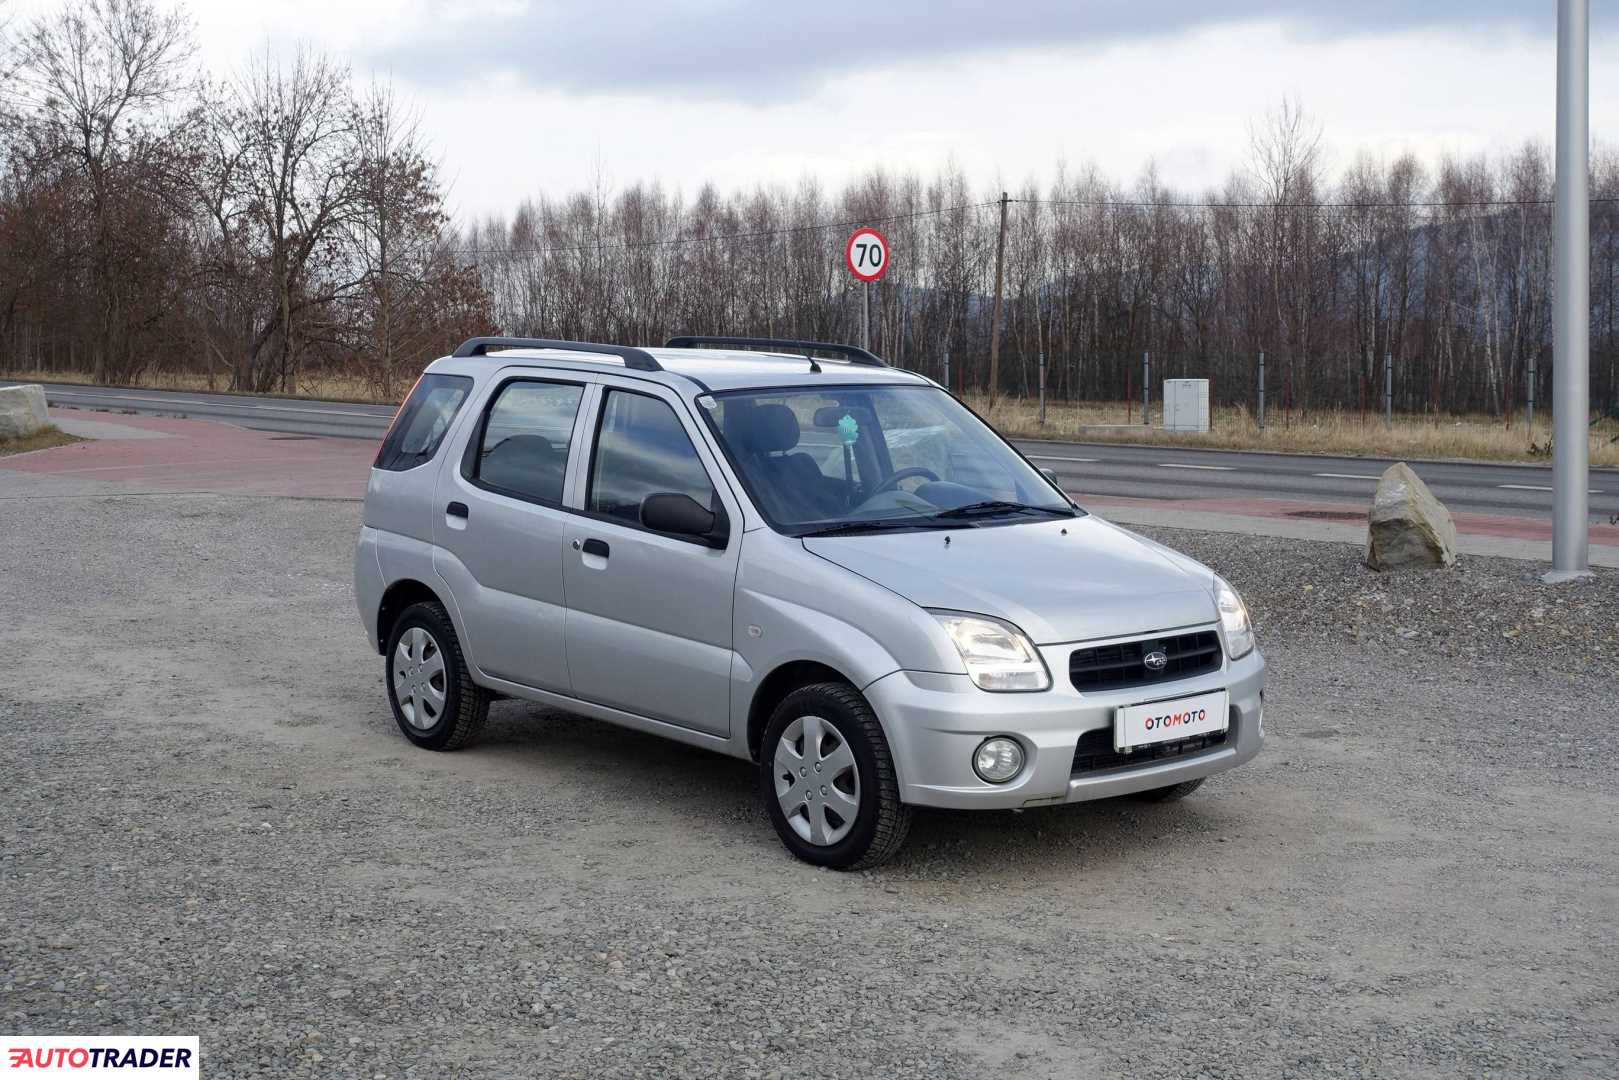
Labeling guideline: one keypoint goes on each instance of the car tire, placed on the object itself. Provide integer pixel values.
(435, 702)
(1172, 793)
(851, 820)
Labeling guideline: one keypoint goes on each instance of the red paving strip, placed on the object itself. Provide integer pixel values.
(1350, 513)
(206, 456)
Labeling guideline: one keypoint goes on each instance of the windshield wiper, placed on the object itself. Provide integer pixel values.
(999, 506)
(877, 526)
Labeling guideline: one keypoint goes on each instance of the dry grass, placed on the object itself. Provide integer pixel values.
(43, 439)
(319, 387)
(1414, 437)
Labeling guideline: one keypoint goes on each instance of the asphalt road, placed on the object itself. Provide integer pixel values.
(1152, 472)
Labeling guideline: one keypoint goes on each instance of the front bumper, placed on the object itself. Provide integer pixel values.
(934, 723)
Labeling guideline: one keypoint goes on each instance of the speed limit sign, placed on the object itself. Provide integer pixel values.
(867, 254)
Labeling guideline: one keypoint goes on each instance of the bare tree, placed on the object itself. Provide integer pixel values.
(292, 135)
(398, 220)
(92, 80)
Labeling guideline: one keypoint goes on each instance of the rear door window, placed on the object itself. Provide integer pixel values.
(423, 421)
(526, 440)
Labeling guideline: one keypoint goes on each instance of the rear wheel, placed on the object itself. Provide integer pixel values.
(1171, 793)
(828, 780)
(435, 701)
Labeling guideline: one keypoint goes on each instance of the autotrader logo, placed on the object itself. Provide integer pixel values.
(87, 1056)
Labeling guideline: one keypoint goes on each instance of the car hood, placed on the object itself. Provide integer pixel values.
(1072, 579)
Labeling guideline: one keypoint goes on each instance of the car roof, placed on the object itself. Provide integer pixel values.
(705, 369)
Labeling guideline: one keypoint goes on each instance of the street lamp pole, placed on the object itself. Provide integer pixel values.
(1571, 316)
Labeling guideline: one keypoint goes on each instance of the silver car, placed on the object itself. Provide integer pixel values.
(801, 557)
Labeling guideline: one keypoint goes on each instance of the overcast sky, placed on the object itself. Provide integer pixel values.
(523, 96)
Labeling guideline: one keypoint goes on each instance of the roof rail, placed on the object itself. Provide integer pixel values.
(637, 359)
(854, 354)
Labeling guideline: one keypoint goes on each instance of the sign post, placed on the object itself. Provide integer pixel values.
(867, 256)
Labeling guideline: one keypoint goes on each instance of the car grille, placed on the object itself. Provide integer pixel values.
(1115, 667)
(1095, 752)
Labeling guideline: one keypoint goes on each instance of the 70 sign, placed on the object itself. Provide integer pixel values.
(867, 254)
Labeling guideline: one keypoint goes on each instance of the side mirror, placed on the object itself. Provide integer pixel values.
(682, 515)
(1051, 474)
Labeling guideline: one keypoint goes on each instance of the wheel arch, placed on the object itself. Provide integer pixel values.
(774, 687)
(395, 599)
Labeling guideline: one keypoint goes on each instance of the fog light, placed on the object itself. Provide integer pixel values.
(998, 760)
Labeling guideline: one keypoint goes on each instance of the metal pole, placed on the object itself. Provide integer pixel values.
(1531, 398)
(1146, 387)
(1388, 389)
(1042, 389)
(1261, 390)
(865, 319)
(947, 369)
(1571, 314)
(995, 316)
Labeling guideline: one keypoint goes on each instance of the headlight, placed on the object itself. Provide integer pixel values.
(1234, 624)
(999, 657)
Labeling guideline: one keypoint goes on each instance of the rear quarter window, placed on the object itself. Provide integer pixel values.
(423, 421)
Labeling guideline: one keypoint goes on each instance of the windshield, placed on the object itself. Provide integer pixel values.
(857, 458)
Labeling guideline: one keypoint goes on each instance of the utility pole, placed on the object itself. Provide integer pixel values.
(1261, 389)
(1146, 387)
(1571, 313)
(1531, 381)
(995, 317)
(1042, 389)
(1388, 389)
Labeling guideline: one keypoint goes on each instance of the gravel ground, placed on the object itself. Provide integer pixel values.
(209, 825)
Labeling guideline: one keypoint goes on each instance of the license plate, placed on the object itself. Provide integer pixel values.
(1168, 721)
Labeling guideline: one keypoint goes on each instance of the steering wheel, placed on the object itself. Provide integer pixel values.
(902, 474)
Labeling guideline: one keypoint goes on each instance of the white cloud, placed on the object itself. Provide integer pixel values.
(1130, 94)
(1184, 103)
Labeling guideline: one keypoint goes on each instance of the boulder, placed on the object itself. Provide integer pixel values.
(1408, 528)
(22, 411)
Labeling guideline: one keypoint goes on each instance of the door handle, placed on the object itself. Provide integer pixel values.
(596, 547)
(457, 509)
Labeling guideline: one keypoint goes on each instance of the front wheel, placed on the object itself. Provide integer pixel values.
(828, 780)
